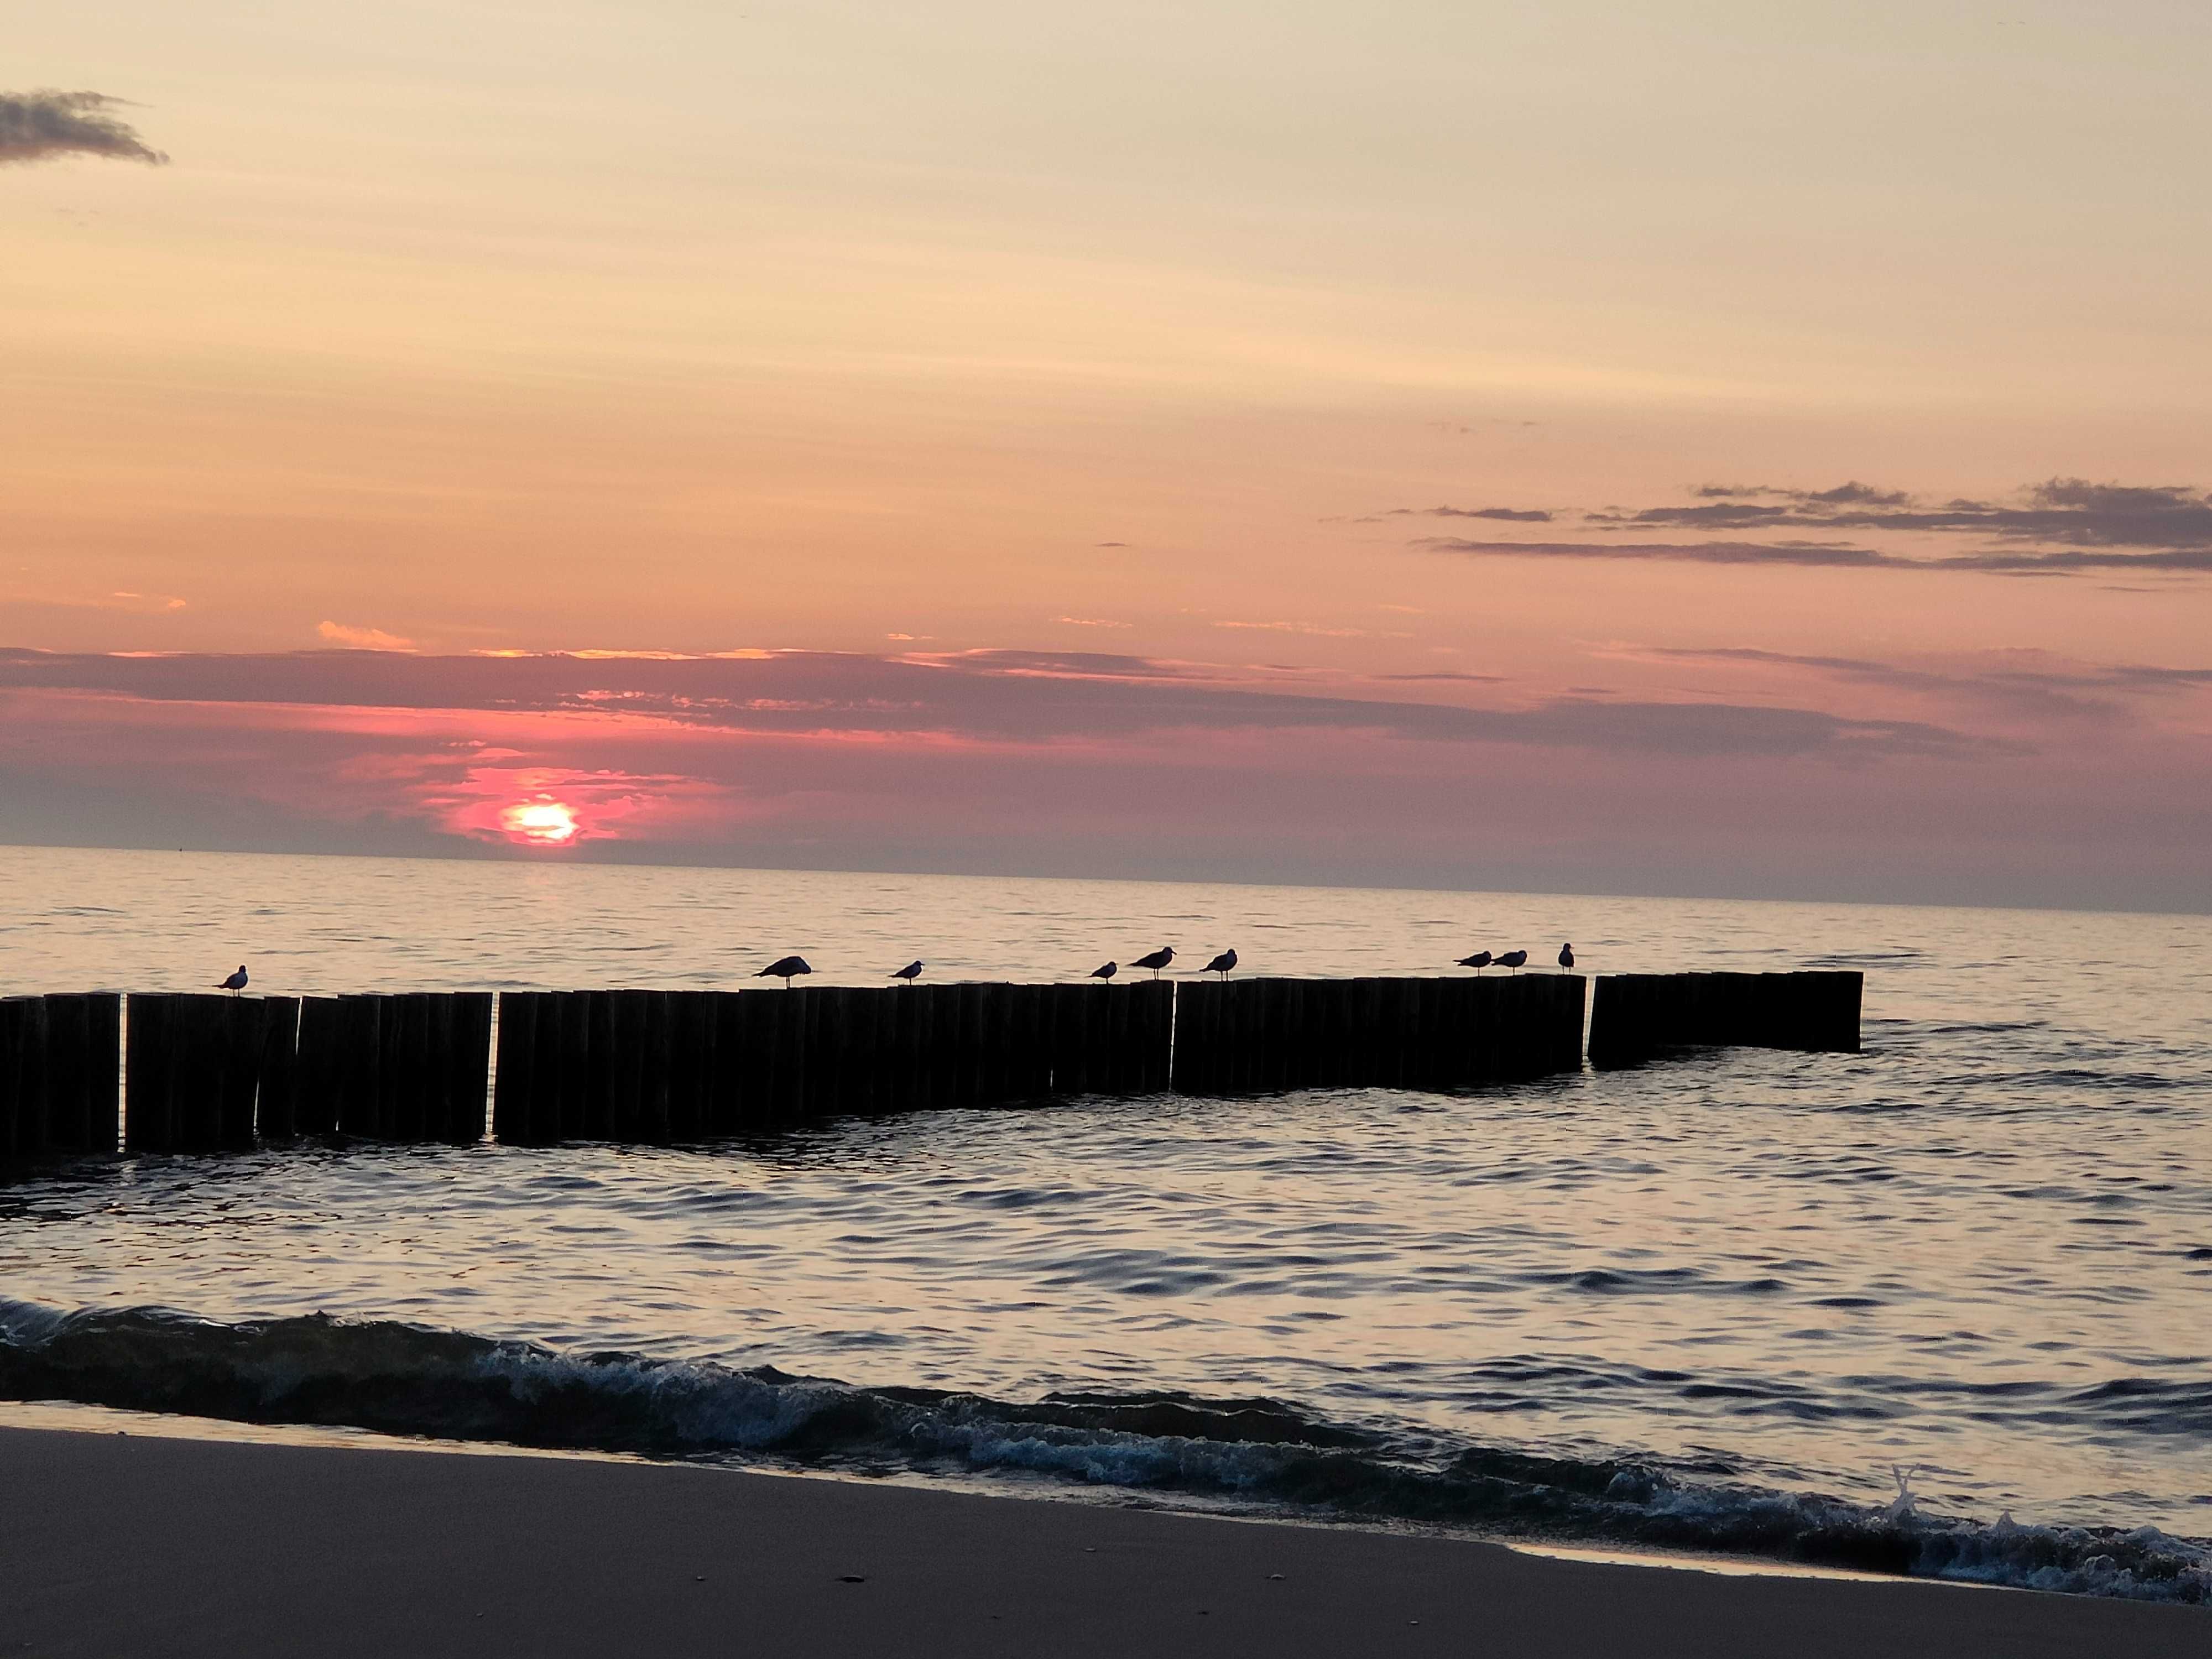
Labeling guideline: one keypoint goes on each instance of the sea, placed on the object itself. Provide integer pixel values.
(1941, 1308)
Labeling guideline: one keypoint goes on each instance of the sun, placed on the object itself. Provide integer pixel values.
(540, 822)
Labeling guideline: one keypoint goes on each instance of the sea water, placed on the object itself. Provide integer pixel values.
(1944, 1306)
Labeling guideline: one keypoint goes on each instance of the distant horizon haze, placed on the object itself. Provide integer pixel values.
(1077, 766)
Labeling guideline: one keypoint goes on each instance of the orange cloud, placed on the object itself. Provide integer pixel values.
(362, 639)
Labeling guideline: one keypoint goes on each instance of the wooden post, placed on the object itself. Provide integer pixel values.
(203, 1056)
(899, 1033)
(514, 1085)
(595, 1119)
(359, 1065)
(315, 1088)
(862, 1016)
(67, 1127)
(986, 1042)
(563, 1067)
(13, 1019)
(1563, 1023)
(275, 1111)
(932, 1007)
(104, 1064)
(691, 1038)
(1064, 1017)
(33, 1078)
(439, 1010)
(1836, 1030)
(1196, 1006)
(785, 1012)
(469, 1067)
(729, 1097)
(1297, 1072)
(761, 1021)
(149, 1088)
(244, 1022)
(404, 1032)
(625, 1029)
(656, 1042)
(1232, 1037)
(1614, 1040)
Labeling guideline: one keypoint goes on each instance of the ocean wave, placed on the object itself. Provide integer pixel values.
(1261, 1453)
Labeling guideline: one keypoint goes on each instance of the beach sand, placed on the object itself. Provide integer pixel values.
(119, 1545)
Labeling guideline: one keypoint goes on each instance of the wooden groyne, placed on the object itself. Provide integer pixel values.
(202, 1072)
(59, 1064)
(673, 1064)
(1636, 1015)
(1259, 1035)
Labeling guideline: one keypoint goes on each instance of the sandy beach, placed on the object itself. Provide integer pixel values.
(122, 1545)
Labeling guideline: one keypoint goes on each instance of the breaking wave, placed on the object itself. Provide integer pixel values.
(1259, 1454)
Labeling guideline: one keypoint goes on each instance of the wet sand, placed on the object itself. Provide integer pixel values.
(120, 1546)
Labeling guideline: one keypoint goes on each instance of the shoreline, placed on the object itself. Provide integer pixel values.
(74, 1417)
(154, 1543)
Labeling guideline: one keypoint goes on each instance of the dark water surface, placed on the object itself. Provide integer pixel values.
(1727, 1302)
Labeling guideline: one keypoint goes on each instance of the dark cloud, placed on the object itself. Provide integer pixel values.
(2063, 512)
(1466, 679)
(2090, 691)
(42, 126)
(1509, 514)
(2061, 527)
(1852, 493)
(1840, 555)
(1020, 698)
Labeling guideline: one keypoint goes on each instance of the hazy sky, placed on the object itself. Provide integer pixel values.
(1067, 399)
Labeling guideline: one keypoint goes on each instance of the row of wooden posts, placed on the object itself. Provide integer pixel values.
(211, 1071)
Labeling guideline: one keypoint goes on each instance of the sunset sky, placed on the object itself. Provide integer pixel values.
(1704, 446)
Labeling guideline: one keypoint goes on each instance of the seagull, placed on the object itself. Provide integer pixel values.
(1566, 956)
(786, 969)
(910, 973)
(1106, 971)
(236, 982)
(1513, 959)
(1222, 964)
(1158, 960)
(1478, 961)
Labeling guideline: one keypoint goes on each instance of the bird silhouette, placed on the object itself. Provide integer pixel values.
(1106, 971)
(1513, 959)
(1566, 956)
(1222, 964)
(1478, 961)
(786, 969)
(1158, 960)
(236, 982)
(910, 973)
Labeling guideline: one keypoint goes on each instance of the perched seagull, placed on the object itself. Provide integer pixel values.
(910, 973)
(236, 982)
(1566, 956)
(1222, 964)
(1106, 971)
(1513, 959)
(1158, 960)
(1478, 961)
(786, 969)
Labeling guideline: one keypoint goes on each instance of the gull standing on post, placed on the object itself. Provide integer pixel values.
(1566, 957)
(786, 969)
(1478, 961)
(1222, 964)
(1158, 960)
(910, 973)
(1105, 970)
(1513, 959)
(236, 982)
